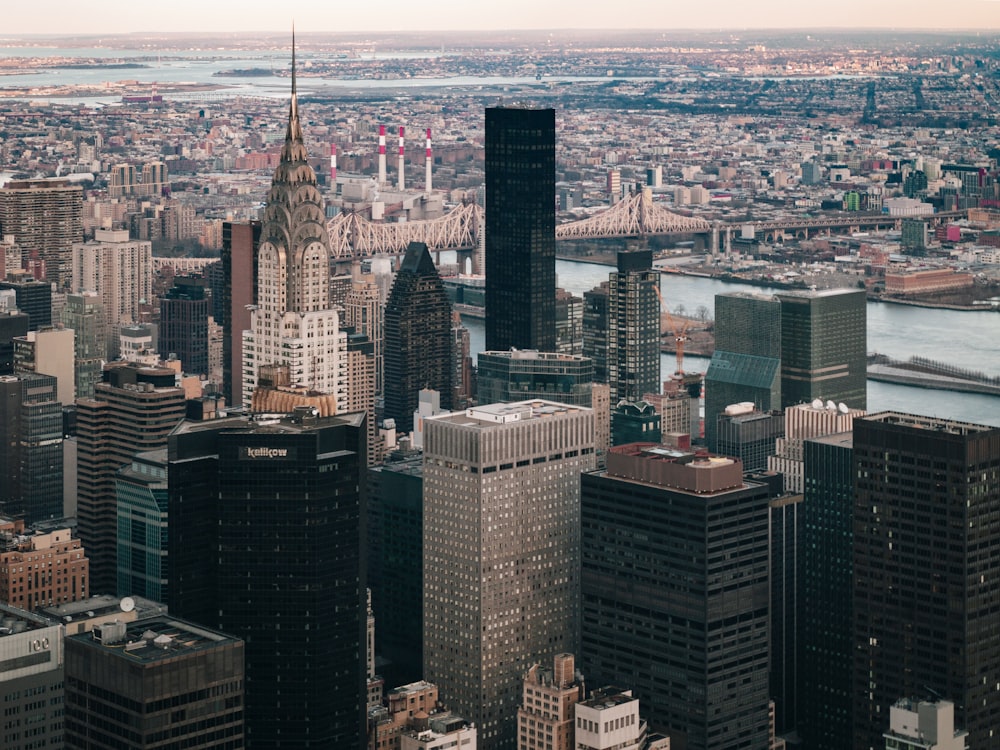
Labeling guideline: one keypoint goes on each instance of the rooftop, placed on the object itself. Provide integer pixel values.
(519, 411)
(14, 620)
(152, 640)
(919, 422)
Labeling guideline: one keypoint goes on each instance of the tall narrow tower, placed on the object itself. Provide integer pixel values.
(520, 229)
(294, 323)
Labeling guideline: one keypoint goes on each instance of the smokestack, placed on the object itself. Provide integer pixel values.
(402, 156)
(381, 154)
(333, 167)
(428, 160)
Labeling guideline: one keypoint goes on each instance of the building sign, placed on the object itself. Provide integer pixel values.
(265, 453)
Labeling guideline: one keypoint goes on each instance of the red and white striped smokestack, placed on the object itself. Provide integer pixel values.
(333, 167)
(402, 157)
(381, 154)
(428, 160)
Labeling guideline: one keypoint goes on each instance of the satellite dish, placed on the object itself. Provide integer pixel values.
(831, 406)
(127, 604)
(817, 404)
(842, 408)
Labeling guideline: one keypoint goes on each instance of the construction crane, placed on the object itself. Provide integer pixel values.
(678, 332)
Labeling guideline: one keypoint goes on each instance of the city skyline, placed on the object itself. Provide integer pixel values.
(57, 17)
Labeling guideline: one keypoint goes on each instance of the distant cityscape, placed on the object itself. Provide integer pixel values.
(565, 390)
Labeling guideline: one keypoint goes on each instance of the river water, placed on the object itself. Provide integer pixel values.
(966, 339)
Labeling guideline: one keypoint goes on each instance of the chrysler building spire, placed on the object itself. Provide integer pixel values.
(294, 324)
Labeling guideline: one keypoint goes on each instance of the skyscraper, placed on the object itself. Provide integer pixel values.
(154, 682)
(143, 530)
(746, 365)
(31, 442)
(501, 552)
(826, 623)
(120, 271)
(675, 592)
(133, 409)
(823, 347)
(294, 323)
(84, 314)
(926, 551)
(520, 229)
(633, 327)
(417, 337)
(267, 518)
(34, 299)
(184, 313)
(239, 295)
(520, 375)
(45, 219)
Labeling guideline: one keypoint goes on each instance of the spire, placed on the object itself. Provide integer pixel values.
(294, 131)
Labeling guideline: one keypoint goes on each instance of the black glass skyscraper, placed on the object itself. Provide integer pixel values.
(417, 337)
(520, 229)
(276, 508)
(926, 552)
(184, 324)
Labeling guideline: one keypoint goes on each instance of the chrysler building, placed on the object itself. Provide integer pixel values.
(294, 324)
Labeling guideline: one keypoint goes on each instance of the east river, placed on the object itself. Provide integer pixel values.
(969, 340)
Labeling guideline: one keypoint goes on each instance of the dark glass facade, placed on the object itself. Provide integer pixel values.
(786, 518)
(34, 299)
(826, 639)
(823, 347)
(747, 360)
(926, 552)
(520, 229)
(157, 683)
(289, 567)
(31, 447)
(418, 352)
(184, 325)
(395, 565)
(595, 330)
(239, 294)
(676, 601)
(524, 375)
(749, 437)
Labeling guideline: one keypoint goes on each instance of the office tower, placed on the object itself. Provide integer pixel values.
(184, 325)
(926, 496)
(31, 680)
(675, 410)
(749, 435)
(141, 493)
(360, 370)
(10, 256)
(600, 397)
(823, 347)
(501, 498)
(46, 556)
(44, 217)
(49, 351)
(34, 298)
(31, 438)
(120, 271)
(746, 365)
(518, 375)
(292, 583)
(923, 725)
(293, 322)
(12, 325)
(803, 422)
(633, 327)
(139, 344)
(364, 311)
(239, 295)
(634, 422)
(595, 330)
(155, 682)
(520, 229)
(133, 410)
(417, 337)
(826, 622)
(548, 699)
(786, 520)
(569, 323)
(679, 610)
(84, 314)
(463, 372)
(396, 565)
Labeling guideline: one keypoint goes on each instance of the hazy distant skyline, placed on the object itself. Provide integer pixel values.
(116, 17)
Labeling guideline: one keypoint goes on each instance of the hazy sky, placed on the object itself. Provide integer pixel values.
(116, 16)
